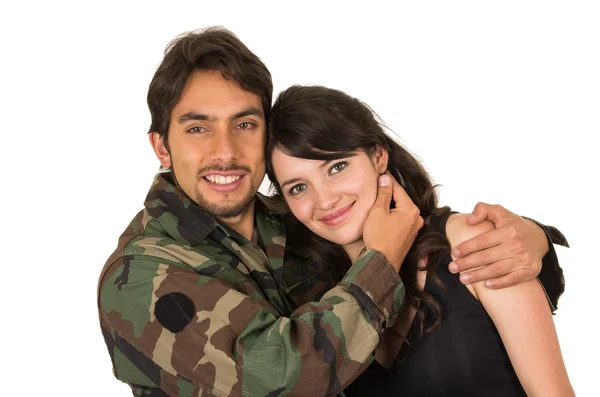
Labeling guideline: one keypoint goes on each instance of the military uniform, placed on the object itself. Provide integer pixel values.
(189, 307)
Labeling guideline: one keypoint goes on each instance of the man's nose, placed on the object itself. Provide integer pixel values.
(223, 146)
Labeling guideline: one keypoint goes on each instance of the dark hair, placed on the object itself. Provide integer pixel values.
(315, 122)
(210, 49)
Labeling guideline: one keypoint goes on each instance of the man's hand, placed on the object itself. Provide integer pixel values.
(511, 254)
(392, 231)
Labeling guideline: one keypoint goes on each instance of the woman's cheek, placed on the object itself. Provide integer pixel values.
(372, 193)
(301, 209)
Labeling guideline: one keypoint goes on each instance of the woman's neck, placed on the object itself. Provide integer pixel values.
(354, 250)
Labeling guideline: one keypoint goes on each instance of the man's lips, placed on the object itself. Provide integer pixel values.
(222, 173)
(336, 216)
(224, 170)
(223, 182)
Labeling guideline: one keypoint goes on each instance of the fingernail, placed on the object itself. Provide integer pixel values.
(384, 180)
(471, 216)
(489, 284)
(465, 278)
(456, 252)
(453, 267)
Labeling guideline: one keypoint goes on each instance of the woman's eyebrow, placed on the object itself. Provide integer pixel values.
(326, 162)
(293, 180)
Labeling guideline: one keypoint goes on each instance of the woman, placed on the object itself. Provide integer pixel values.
(325, 153)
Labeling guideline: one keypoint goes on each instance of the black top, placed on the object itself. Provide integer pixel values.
(463, 357)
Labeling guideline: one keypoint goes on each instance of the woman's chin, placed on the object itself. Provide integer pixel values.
(350, 234)
(349, 239)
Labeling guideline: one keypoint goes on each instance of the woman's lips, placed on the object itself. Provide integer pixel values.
(338, 216)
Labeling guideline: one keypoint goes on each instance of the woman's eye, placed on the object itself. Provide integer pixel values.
(337, 167)
(299, 188)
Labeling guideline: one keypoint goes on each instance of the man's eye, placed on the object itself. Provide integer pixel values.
(195, 130)
(245, 125)
(296, 189)
(337, 167)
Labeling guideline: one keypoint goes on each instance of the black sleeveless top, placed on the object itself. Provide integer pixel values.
(463, 357)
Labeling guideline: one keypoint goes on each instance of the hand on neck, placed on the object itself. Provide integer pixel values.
(355, 250)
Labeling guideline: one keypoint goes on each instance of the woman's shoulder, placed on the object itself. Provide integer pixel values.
(458, 231)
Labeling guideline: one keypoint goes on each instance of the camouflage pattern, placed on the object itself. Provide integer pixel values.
(245, 330)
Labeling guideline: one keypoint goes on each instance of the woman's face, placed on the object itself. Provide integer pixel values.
(332, 198)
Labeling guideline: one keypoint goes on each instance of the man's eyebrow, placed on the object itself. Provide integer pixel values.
(194, 116)
(293, 180)
(251, 111)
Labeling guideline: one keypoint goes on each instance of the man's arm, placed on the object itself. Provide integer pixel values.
(517, 250)
(175, 329)
(551, 275)
(188, 321)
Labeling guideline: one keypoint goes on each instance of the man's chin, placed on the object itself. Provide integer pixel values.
(227, 211)
(226, 206)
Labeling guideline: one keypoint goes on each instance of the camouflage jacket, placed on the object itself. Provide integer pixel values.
(189, 307)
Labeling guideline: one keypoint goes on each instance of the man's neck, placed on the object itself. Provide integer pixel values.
(244, 223)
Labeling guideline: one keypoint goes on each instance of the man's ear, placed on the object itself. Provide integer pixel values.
(380, 159)
(160, 148)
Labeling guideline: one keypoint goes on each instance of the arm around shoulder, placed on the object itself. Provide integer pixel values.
(169, 327)
(551, 274)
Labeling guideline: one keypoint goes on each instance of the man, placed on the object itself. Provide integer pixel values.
(198, 299)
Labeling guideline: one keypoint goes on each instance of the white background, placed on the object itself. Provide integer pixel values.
(500, 100)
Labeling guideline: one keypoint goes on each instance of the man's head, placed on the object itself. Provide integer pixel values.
(209, 101)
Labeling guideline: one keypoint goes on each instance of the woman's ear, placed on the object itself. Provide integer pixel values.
(380, 159)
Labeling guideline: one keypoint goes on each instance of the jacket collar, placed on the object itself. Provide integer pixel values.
(185, 220)
(181, 217)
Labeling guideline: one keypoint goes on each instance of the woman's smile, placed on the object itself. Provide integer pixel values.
(338, 216)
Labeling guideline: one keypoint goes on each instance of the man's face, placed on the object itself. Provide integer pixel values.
(216, 143)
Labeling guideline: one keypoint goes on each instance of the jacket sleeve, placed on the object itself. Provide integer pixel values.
(551, 276)
(169, 327)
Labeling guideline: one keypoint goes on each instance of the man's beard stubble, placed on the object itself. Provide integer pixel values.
(226, 212)
(214, 209)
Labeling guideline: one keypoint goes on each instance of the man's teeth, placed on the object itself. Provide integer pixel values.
(222, 180)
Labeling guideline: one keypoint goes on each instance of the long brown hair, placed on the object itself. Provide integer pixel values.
(320, 123)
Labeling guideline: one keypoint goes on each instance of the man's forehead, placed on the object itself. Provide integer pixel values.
(216, 97)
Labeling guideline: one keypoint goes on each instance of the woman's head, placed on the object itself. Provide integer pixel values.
(331, 197)
(325, 151)
(332, 148)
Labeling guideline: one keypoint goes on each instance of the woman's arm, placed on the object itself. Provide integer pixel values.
(524, 321)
